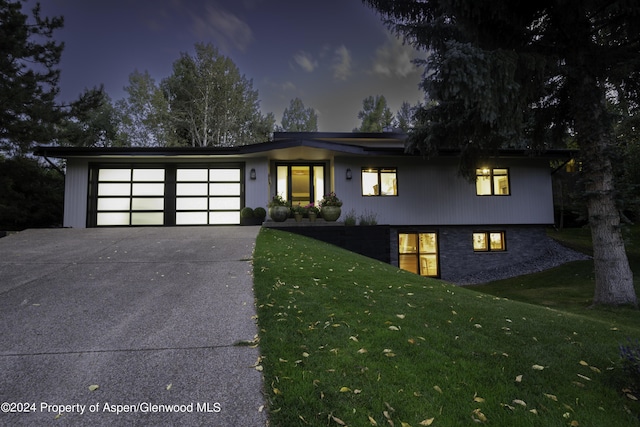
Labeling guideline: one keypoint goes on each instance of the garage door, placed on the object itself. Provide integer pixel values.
(135, 196)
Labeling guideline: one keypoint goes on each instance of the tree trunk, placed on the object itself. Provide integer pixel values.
(614, 279)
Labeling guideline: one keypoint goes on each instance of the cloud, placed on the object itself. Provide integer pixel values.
(393, 59)
(224, 28)
(341, 63)
(305, 61)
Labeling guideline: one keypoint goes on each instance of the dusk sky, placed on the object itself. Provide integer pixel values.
(331, 53)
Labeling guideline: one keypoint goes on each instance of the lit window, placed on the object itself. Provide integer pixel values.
(492, 182)
(418, 253)
(489, 241)
(379, 182)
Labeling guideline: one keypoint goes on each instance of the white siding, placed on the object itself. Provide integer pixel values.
(432, 193)
(257, 191)
(75, 193)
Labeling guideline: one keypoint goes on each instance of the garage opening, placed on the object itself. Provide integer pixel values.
(171, 195)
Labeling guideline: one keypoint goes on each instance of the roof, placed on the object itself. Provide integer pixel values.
(353, 143)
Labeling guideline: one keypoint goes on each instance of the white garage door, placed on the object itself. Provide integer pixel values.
(139, 196)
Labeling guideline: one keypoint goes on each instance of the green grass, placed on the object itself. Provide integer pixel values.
(570, 287)
(347, 340)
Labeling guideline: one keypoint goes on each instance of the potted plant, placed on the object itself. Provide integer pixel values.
(330, 207)
(260, 214)
(312, 212)
(298, 212)
(279, 209)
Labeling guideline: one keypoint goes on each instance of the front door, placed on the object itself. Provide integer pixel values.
(300, 183)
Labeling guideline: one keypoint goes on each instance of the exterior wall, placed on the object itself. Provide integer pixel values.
(257, 191)
(459, 263)
(431, 192)
(75, 193)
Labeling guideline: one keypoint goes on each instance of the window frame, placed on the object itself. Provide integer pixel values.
(487, 237)
(417, 252)
(492, 175)
(379, 171)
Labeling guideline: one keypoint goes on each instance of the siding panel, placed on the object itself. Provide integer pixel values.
(75, 193)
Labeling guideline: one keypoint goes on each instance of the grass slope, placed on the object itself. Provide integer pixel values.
(347, 340)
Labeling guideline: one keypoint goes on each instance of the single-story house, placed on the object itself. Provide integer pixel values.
(439, 224)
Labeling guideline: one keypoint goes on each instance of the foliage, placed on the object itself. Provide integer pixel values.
(375, 115)
(278, 201)
(260, 213)
(144, 113)
(30, 195)
(330, 199)
(247, 212)
(28, 78)
(404, 117)
(350, 218)
(506, 74)
(211, 104)
(312, 208)
(630, 355)
(297, 118)
(346, 340)
(91, 121)
(299, 209)
(368, 218)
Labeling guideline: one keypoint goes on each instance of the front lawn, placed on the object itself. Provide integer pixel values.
(346, 340)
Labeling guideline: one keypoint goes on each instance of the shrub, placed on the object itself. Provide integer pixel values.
(246, 213)
(630, 355)
(368, 218)
(260, 213)
(350, 218)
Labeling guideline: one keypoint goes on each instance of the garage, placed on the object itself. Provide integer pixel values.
(138, 195)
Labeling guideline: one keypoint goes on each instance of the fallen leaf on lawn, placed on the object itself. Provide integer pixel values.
(551, 396)
(400, 316)
(259, 368)
(519, 402)
(357, 391)
(305, 354)
(533, 411)
(404, 424)
(338, 421)
(362, 350)
(389, 407)
(519, 379)
(583, 363)
(427, 422)
(537, 367)
(386, 415)
(578, 383)
(477, 326)
(594, 369)
(352, 338)
(281, 360)
(276, 391)
(478, 399)
(372, 421)
(93, 387)
(411, 341)
(437, 388)
(574, 423)
(631, 396)
(584, 377)
(394, 328)
(344, 389)
(506, 405)
(478, 416)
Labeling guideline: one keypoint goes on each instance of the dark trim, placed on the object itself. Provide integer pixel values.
(488, 240)
(379, 168)
(419, 230)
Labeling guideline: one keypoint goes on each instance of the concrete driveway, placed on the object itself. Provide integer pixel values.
(152, 316)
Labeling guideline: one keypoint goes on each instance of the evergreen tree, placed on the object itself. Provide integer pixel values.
(28, 78)
(375, 115)
(404, 117)
(526, 74)
(297, 118)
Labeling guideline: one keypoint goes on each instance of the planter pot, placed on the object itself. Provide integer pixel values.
(312, 216)
(297, 217)
(331, 213)
(279, 213)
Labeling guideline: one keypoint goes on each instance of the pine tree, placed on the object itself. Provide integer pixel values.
(526, 74)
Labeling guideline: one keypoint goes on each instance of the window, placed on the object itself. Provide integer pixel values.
(379, 182)
(492, 182)
(489, 241)
(418, 253)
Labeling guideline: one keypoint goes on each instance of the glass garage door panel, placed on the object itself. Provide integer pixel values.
(208, 196)
(130, 196)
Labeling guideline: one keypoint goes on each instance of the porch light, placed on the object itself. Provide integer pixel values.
(252, 174)
(349, 174)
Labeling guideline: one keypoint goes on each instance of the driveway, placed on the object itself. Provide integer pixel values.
(151, 316)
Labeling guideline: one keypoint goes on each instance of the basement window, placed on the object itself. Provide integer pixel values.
(489, 241)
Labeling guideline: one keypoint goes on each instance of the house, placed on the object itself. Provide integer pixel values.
(438, 223)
